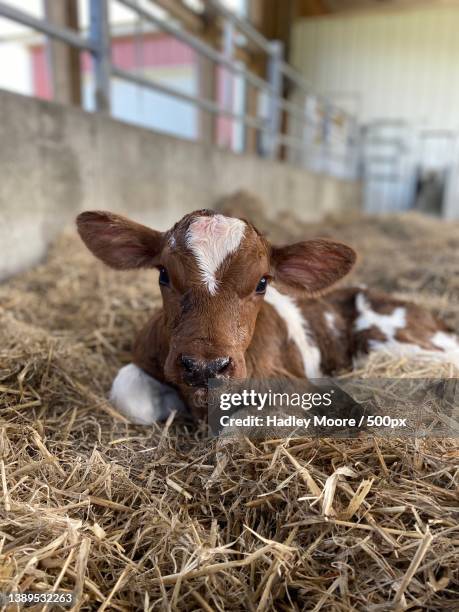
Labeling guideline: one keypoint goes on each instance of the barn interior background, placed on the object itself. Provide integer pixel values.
(326, 111)
(329, 106)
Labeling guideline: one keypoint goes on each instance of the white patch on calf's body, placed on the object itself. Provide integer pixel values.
(142, 398)
(387, 324)
(446, 342)
(298, 330)
(211, 240)
(397, 349)
(447, 345)
(330, 320)
(407, 350)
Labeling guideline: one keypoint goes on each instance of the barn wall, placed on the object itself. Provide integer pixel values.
(389, 64)
(56, 161)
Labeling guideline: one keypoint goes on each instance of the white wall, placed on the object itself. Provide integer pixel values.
(15, 66)
(392, 65)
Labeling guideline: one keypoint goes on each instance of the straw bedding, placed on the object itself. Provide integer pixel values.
(132, 518)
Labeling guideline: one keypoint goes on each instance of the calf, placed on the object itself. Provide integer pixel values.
(234, 306)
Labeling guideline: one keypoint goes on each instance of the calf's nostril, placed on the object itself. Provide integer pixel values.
(222, 364)
(197, 371)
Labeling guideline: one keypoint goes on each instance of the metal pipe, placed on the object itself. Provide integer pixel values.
(307, 88)
(228, 50)
(197, 45)
(293, 109)
(291, 141)
(275, 78)
(100, 35)
(266, 45)
(296, 77)
(206, 105)
(300, 113)
(242, 25)
(49, 29)
(297, 143)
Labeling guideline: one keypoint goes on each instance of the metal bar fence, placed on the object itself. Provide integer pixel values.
(195, 43)
(279, 73)
(207, 105)
(45, 27)
(100, 37)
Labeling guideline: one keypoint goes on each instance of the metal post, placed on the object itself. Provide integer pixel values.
(195, 43)
(100, 36)
(327, 127)
(228, 50)
(228, 76)
(275, 80)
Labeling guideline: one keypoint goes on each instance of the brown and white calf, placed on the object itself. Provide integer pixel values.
(236, 306)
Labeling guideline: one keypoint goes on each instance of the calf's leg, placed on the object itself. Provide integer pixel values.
(141, 398)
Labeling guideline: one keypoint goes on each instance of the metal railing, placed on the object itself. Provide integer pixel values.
(280, 77)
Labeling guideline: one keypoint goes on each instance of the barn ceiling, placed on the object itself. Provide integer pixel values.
(322, 7)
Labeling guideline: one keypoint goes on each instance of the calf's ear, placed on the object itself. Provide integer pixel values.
(119, 242)
(312, 266)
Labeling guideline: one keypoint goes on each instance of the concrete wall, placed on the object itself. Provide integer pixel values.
(56, 161)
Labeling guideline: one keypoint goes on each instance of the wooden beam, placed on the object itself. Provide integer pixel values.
(255, 61)
(316, 8)
(64, 60)
(257, 66)
(190, 20)
(207, 85)
(255, 13)
(274, 20)
(311, 8)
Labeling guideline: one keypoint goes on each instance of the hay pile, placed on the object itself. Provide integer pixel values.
(133, 518)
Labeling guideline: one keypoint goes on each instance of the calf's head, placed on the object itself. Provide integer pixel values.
(213, 272)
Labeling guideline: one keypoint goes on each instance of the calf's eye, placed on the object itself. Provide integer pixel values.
(261, 287)
(163, 276)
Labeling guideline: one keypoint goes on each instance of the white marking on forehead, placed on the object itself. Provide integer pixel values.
(212, 239)
(298, 330)
(172, 241)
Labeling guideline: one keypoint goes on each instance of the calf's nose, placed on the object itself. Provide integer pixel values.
(198, 371)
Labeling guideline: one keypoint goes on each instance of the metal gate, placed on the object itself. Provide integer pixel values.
(404, 168)
(388, 166)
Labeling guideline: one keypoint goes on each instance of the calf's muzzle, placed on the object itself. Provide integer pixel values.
(196, 371)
